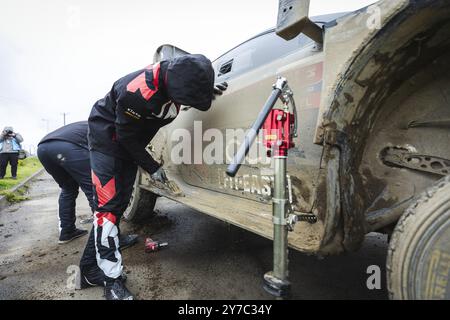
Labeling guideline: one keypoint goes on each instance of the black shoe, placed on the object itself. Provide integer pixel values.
(116, 290)
(67, 237)
(94, 278)
(14, 178)
(127, 241)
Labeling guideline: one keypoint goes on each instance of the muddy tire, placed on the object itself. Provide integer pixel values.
(141, 205)
(418, 262)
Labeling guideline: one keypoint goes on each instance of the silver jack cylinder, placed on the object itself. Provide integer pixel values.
(276, 282)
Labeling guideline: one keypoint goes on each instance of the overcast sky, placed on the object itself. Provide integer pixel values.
(61, 56)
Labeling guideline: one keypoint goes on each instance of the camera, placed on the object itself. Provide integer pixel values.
(9, 132)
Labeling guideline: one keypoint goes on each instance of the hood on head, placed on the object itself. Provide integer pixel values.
(8, 129)
(190, 81)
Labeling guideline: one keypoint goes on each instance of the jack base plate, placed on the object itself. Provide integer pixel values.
(276, 287)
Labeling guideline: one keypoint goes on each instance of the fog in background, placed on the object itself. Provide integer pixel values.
(59, 56)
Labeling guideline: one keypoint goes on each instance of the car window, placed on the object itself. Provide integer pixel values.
(256, 52)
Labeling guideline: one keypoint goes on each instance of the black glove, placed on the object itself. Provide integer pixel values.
(219, 89)
(159, 175)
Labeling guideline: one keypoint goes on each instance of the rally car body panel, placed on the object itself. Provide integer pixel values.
(335, 87)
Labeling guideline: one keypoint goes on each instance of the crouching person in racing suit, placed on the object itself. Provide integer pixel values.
(121, 125)
(65, 156)
(64, 153)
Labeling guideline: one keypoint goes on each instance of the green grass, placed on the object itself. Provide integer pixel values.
(17, 196)
(26, 168)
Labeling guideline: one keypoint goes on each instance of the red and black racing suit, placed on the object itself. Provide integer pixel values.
(120, 127)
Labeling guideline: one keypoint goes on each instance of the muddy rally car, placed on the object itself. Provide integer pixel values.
(372, 145)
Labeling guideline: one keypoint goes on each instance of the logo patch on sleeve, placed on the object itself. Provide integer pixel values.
(133, 114)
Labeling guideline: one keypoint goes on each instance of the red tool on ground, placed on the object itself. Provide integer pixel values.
(152, 245)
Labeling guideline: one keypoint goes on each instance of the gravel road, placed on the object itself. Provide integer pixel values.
(206, 258)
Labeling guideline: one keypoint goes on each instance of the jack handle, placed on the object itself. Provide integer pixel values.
(238, 159)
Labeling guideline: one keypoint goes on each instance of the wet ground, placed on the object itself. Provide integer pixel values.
(205, 259)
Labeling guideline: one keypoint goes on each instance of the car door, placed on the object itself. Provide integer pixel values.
(250, 70)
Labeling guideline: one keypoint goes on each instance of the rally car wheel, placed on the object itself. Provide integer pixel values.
(142, 203)
(418, 262)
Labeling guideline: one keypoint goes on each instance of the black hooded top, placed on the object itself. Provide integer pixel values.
(74, 132)
(123, 123)
(190, 81)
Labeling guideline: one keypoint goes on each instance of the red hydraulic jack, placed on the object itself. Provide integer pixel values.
(280, 128)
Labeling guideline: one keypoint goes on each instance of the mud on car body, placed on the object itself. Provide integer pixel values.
(372, 147)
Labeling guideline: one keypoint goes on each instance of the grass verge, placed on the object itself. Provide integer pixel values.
(26, 168)
(16, 196)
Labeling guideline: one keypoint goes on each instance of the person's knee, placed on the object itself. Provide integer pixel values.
(14, 162)
(69, 193)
